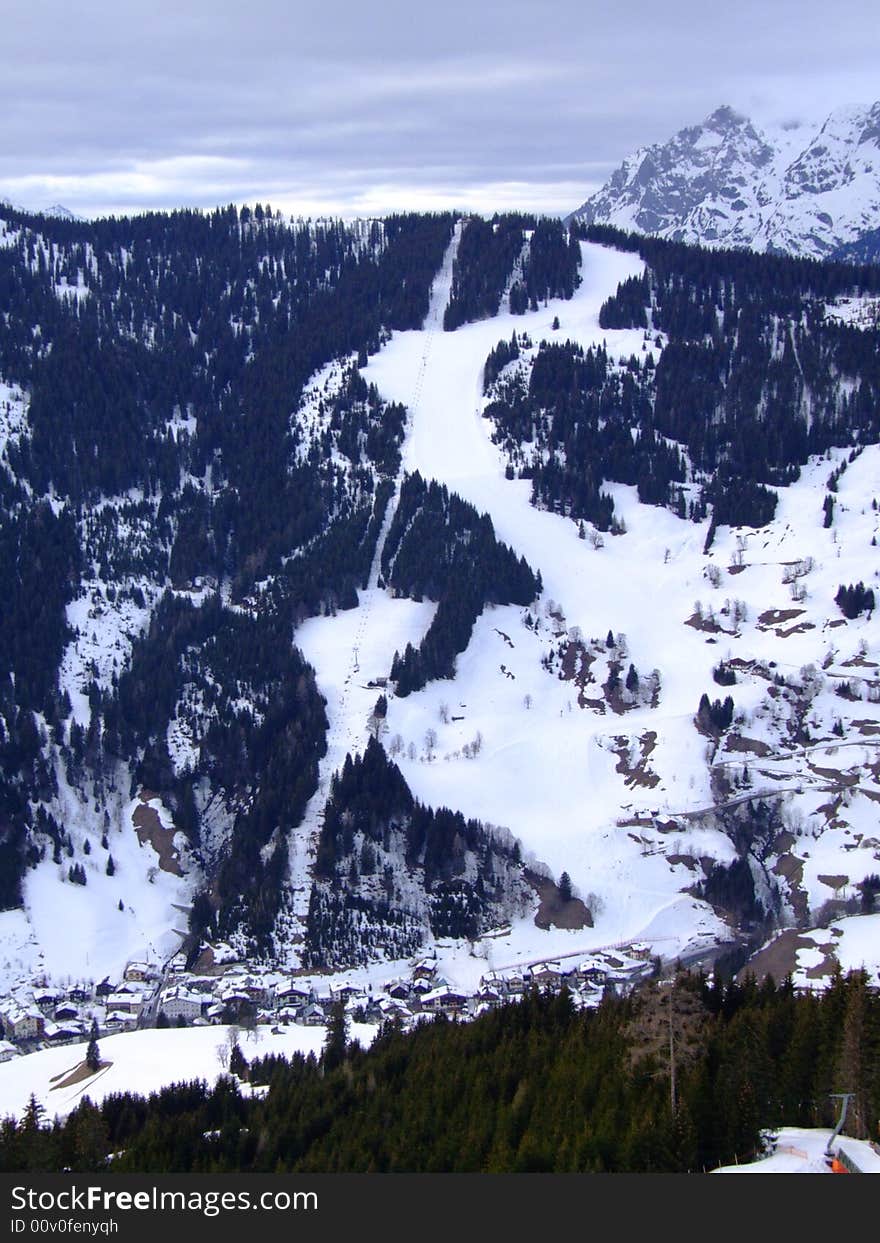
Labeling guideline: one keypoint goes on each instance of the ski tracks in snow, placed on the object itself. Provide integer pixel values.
(346, 734)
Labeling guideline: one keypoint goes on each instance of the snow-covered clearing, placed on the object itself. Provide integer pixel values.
(155, 902)
(147, 1061)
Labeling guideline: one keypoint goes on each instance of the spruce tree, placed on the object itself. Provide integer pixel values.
(93, 1054)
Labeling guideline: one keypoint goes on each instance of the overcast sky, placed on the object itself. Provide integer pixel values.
(353, 108)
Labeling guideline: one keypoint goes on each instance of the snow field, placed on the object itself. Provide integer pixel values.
(147, 1061)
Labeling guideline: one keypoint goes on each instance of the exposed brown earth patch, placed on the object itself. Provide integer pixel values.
(553, 911)
(78, 1075)
(576, 662)
(833, 882)
(826, 968)
(150, 831)
(778, 958)
(798, 629)
(752, 746)
(837, 775)
(776, 617)
(791, 869)
(638, 774)
(708, 624)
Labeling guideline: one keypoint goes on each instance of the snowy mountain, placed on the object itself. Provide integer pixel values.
(333, 637)
(727, 182)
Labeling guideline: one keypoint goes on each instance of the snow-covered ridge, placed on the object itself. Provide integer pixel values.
(727, 182)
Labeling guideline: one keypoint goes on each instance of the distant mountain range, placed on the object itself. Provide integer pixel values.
(726, 182)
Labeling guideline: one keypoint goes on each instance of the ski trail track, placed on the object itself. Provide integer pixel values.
(557, 792)
(359, 645)
(599, 589)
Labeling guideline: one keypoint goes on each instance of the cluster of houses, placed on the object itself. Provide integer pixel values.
(45, 1014)
(148, 996)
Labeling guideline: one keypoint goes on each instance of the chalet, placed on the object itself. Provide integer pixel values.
(138, 972)
(67, 1010)
(120, 1020)
(200, 984)
(46, 998)
(64, 1033)
(235, 998)
(399, 991)
(126, 1003)
(311, 1016)
(346, 992)
(130, 988)
(373, 1011)
(591, 973)
(393, 1009)
(426, 969)
(489, 996)
(546, 975)
(257, 990)
(515, 984)
(105, 988)
(7, 1051)
(179, 1003)
(444, 998)
(23, 1024)
(288, 994)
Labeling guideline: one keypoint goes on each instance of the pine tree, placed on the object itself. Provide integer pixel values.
(336, 1040)
(93, 1054)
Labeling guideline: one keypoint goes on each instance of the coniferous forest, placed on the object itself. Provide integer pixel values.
(164, 358)
(534, 1086)
(173, 468)
(745, 389)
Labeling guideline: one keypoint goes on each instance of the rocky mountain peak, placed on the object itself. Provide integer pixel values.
(803, 189)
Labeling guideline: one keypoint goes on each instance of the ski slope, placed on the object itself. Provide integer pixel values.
(354, 649)
(547, 773)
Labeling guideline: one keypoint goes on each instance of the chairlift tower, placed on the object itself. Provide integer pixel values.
(844, 1098)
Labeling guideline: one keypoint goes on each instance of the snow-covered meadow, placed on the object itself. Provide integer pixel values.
(146, 1061)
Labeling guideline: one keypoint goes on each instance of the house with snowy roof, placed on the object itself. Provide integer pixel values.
(22, 1023)
(181, 1003)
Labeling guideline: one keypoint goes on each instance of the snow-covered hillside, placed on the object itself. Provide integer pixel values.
(578, 729)
(147, 1061)
(622, 795)
(727, 182)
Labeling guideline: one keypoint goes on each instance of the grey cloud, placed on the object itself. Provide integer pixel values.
(112, 105)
